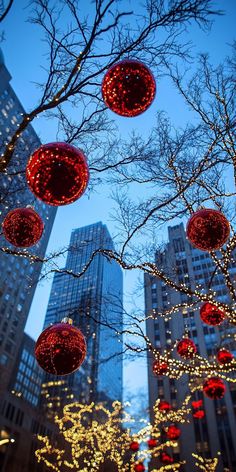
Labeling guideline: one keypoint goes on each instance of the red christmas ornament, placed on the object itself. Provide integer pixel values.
(173, 432)
(199, 414)
(224, 356)
(60, 348)
(208, 229)
(152, 443)
(197, 404)
(186, 348)
(139, 467)
(159, 368)
(22, 227)
(57, 173)
(128, 88)
(164, 406)
(214, 388)
(165, 458)
(134, 446)
(211, 314)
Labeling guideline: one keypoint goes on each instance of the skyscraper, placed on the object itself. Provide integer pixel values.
(188, 265)
(18, 275)
(94, 302)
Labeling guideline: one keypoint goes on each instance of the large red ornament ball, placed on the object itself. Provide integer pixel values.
(224, 356)
(128, 88)
(139, 467)
(134, 446)
(159, 368)
(211, 314)
(173, 432)
(164, 406)
(199, 414)
(208, 229)
(152, 442)
(165, 458)
(214, 388)
(186, 348)
(22, 227)
(57, 173)
(60, 349)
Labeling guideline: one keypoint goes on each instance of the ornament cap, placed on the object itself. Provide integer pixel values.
(67, 320)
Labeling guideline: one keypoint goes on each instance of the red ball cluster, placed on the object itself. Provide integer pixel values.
(208, 229)
(164, 405)
(134, 446)
(128, 88)
(152, 443)
(165, 458)
(159, 368)
(173, 432)
(139, 467)
(22, 227)
(214, 388)
(199, 414)
(60, 349)
(57, 173)
(186, 348)
(211, 314)
(224, 356)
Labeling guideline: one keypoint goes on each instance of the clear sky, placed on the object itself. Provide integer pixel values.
(24, 53)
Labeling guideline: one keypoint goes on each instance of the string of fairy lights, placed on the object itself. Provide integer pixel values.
(93, 434)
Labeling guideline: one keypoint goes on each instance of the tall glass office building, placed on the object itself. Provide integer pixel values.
(94, 302)
(18, 276)
(185, 264)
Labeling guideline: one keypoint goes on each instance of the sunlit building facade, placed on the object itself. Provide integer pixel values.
(93, 300)
(188, 265)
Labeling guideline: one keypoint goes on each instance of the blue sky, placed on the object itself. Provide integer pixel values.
(24, 53)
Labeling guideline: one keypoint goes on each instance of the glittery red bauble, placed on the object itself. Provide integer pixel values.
(152, 443)
(208, 229)
(159, 368)
(211, 314)
(164, 406)
(214, 388)
(224, 356)
(134, 446)
(197, 404)
(139, 467)
(166, 458)
(60, 349)
(57, 173)
(199, 414)
(173, 432)
(186, 348)
(22, 227)
(128, 88)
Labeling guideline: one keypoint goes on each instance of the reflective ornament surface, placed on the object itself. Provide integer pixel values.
(211, 314)
(214, 388)
(128, 88)
(60, 349)
(173, 432)
(22, 227)
(224, 356)
(186, 348)
(57, 173)
(208, 229)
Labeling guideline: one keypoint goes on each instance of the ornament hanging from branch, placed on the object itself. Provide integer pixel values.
(22, 227)
(128, 88)
(57, 173)
(214, 388)
(60, 348)
(208, 229)
(211, 314)
(186, 348)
